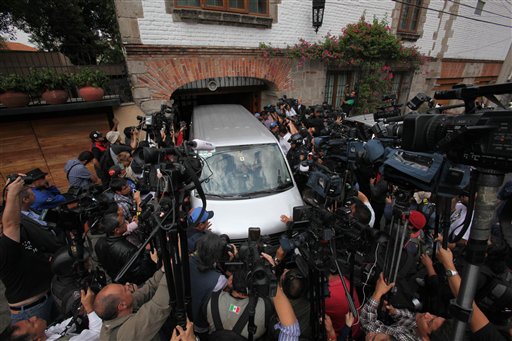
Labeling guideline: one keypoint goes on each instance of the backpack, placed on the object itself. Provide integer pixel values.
(236, 333)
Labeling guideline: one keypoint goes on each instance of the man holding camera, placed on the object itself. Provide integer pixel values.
(204, 276)
(125, 197)
(46, 196)
(133, 315)
(24, 269)
(77, 173)
(114, 251)
(35, 328)
(226, 314)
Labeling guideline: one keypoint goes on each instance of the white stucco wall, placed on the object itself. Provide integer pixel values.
(294, 22)
(469, 39)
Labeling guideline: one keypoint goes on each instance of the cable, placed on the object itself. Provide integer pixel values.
(483, 10)
(480, 47)
(368, 277)
(452, 14)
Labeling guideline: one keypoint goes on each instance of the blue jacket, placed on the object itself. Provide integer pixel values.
(46, 198)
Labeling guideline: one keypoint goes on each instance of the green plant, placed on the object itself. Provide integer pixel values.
(47, 79)
(90, 77)
(14, 82)
(368, 47)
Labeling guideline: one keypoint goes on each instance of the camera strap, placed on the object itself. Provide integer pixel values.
(69, 170)
(246, 317)
(215, 311)
(251, 311)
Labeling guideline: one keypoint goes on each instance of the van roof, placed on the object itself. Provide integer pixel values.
(228, 125)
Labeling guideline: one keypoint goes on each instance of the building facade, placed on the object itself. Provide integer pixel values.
(207, 51)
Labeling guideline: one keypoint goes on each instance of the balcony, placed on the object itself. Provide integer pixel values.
(117, 90)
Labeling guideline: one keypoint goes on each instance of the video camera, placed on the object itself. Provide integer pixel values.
(260, 279)
(391, 109)
(167, 169)
(27, 179)
(163, 120)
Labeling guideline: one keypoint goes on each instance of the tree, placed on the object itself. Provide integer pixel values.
(85, 31)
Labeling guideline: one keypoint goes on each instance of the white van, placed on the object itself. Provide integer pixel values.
(247, 180)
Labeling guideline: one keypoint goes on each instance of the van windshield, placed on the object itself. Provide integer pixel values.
(244, 171)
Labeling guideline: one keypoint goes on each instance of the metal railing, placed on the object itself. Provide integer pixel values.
(25, 63)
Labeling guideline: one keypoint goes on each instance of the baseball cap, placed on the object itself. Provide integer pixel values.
(36, 174)
(273, 125)
(94, 135)
(417, 220)
(192, 216)
(116, 170)
(112, 136)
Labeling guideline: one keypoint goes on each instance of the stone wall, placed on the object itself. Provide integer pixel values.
(156, 72)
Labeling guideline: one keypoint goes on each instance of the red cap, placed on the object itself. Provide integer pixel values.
(417, 220)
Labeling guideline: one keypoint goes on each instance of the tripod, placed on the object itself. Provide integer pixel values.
(171, 240)
(488, 181)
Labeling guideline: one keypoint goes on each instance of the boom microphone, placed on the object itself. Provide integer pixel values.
(197, 144)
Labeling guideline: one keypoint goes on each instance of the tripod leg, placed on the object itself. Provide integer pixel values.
(178, 311)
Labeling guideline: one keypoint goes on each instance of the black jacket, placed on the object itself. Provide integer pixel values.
(114, 252)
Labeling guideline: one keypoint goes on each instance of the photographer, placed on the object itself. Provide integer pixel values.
(315, 123)
(125, 197)
(110, 156)
(479, 324)
(362, 210)
(297, 151)
(300, 108)
(204, 276)
(337, 306)
(114, 251)
(98, 148)
(283, 138)
(225, 309)
(48, 237)
(24, 270)
(77, 173)
(194, 233)
(35, 329)
(133, 315)
(46, 196)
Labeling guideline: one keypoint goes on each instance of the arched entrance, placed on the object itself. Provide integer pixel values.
(247, 91)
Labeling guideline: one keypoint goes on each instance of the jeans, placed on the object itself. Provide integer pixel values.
(42, 310)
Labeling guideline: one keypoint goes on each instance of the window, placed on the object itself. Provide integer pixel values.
(396, 87)
(337, 86)
(243, 171)
(409, 16)
(479, 7)
(253, 7)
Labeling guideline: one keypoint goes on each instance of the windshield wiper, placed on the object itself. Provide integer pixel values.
(225, 196)
(216, 195)
(277, 189)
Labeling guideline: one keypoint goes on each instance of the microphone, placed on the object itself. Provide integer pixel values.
(197, 144)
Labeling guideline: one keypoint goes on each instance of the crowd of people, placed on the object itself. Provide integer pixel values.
(137, 305)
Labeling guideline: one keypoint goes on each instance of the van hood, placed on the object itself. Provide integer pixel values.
(234, 217)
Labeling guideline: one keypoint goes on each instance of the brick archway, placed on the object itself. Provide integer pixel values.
(166, 74)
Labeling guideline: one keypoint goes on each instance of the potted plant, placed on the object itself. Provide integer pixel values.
(90, 83)
(52, 85)
(15, 90)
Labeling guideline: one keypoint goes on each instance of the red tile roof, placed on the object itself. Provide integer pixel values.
(13, 46)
